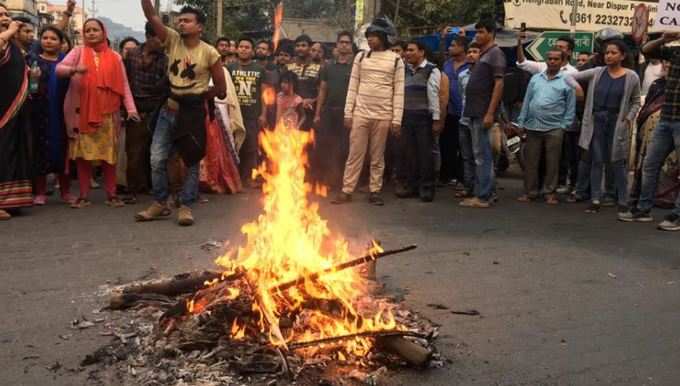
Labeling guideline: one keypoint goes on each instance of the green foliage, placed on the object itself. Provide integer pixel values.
(254, 17)
(423, 16)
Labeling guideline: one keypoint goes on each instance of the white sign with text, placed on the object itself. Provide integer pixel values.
(668, 17)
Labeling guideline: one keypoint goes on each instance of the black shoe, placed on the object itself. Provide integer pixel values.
(594, 207)
(608, 202)
(405, 194)
(342, 198)
(670, 223)
(427, 194)
(376, 199)
(635, 215)
(573, 198)
(402, 191)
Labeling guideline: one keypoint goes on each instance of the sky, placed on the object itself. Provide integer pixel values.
(126, 12)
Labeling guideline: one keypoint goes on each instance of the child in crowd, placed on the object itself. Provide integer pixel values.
(288, 103)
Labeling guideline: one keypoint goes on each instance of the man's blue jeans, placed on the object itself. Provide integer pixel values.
(161, 149)
(465, 141)
(483, 156)
(665, 139)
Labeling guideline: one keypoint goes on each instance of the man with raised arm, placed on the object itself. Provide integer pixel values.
(665, 137)
(181, 121)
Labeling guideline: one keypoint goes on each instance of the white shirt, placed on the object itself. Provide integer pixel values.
(433, 89)
(652, 73)
(533, 67)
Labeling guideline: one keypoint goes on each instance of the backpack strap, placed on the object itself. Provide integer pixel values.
(429, 68)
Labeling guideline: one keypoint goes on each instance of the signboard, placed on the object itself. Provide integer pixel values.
(591, 15)
(359, 13)
(668, 18)
(545, 41)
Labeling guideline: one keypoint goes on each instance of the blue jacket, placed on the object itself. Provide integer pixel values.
(455, 96)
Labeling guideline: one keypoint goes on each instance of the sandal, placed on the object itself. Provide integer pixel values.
(69, 199)
(130, 200)
(114, 202)
(40, 200)
(4, 215)
(551, 199)
(525, 198)
(81, 203)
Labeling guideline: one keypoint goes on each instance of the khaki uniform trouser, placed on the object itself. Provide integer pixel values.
(366, 135)
(537, 142)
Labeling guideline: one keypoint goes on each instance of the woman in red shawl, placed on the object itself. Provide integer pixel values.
(98, 88)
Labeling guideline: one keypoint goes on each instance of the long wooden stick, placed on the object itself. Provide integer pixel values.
(339, 267)
(180, 284)
(370, 334)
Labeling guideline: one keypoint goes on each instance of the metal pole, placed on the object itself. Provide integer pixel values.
(220, 16)
(574, 13)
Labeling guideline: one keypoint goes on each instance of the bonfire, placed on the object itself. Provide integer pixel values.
(290, 294)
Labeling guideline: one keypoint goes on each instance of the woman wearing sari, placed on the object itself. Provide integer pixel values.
(15, 134)
(47, 117)
(98, 88)
(225, 135)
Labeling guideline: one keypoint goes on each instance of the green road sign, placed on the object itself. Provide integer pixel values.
(547, 39)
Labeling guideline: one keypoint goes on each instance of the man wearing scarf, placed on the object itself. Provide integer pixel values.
(182, 119)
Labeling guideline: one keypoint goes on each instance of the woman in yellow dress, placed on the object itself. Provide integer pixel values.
(98, 89)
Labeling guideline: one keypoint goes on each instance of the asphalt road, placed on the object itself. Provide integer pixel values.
(565, 298)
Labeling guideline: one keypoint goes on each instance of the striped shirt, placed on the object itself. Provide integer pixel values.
(376, 87)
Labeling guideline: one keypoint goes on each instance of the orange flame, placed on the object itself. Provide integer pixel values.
(269, 96)
(278, 19)
(289, 240)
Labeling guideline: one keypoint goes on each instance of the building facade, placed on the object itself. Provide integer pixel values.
(25, 8)
(51, 13)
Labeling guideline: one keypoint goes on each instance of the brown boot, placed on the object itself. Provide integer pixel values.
(184, 216)
(154, 212)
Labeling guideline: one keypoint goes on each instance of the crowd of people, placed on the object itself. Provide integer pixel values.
(175, 116)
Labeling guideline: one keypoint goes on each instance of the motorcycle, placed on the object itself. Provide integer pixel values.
(508, 144)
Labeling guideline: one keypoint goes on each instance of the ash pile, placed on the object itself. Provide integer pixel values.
(209, 328)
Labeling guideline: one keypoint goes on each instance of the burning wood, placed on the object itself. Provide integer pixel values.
(319, 309)
(362, 260)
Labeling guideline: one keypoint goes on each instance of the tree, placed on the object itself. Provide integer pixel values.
(424, 16)
(254, 17)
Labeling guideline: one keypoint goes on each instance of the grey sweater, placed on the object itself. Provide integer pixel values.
(630, 105)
